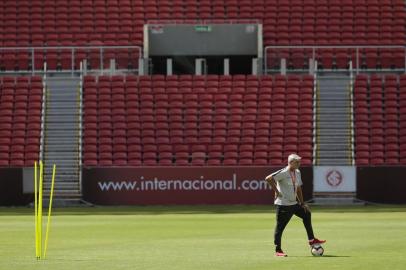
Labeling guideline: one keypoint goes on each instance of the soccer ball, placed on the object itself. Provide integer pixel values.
(317, 250)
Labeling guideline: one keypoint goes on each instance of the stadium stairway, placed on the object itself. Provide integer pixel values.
(333, 134)
(61, 144)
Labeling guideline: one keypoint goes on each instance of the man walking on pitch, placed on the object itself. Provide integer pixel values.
(287, 184)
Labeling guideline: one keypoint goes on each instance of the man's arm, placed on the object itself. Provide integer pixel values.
(272, 183)
(299, 195)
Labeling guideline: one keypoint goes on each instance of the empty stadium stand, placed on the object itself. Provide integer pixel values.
(112, 22)
(42, 23)
(20, 120)
(380, 119)
(197, 120)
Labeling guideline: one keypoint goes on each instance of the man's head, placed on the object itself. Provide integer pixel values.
(294, 161)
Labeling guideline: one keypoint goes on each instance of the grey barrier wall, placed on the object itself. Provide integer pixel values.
(381, 184)
(213, 185)
(182, 185)
(11, 187)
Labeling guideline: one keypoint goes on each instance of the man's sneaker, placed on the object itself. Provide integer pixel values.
(316, 241)
(280, 253)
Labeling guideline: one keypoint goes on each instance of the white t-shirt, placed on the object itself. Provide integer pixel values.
(287, 182)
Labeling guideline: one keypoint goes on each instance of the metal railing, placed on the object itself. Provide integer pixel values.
(67, 58)
(352, 124)
(315, 117)
(80, 101)
(360, 55)
(43, 112)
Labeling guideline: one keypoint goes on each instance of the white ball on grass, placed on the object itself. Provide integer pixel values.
(317, 250)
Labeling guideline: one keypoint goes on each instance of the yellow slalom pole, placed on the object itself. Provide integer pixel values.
(49, 210)
(36, 208)
(41, 171)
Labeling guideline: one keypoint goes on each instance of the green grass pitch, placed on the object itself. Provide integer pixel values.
(204, 237)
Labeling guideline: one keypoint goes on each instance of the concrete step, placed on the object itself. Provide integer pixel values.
(72, 119)
(335, 106)
(51, 149)
(332, 136)
(61, 154)
(64, 107)
(57, 140)
(333, 161)
(62, 169)
(54, 129)
(62, 164)
(64, 184)
(63, 85)
(333, 117)
(60, 188)
(67, 101)
(65, 125)
(333, 146)
(59, 179)
(63, 112)
(65, 163)
(65, 90)
(332, 113)
(343, 106)
(52, 142)
(330, 153)
(55, 104)
(339, 102)
(63, 95)
(62, 148)
(339, 140)
(334, 125)
(71, 135)
(330, 129)
(333, 132)
(63, 157)
(60, 133)
(63, 99)
(54, 146)
(331, 92)
(62, 120)
(62, 192)
(329, 139)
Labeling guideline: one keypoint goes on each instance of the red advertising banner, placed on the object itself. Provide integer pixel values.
(182, 185)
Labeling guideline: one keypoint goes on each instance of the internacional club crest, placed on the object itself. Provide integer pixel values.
(334, 178)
